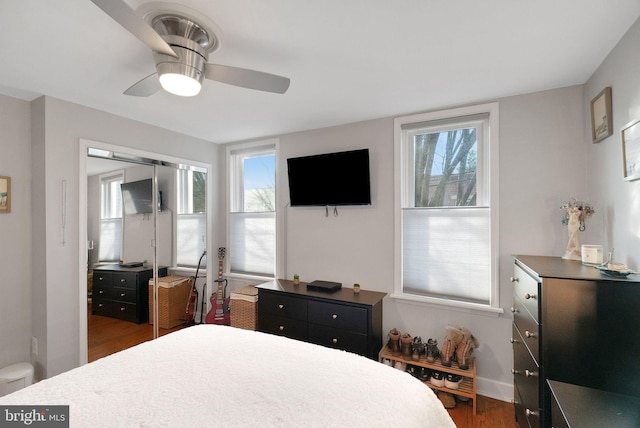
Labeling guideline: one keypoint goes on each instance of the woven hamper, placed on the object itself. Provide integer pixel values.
(244, 308)
(173, 294)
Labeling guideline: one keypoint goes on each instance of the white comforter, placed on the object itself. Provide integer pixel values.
(216, 376)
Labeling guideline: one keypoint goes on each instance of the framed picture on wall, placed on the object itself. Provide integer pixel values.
(631, 150)
(5, 195)
(601, 118)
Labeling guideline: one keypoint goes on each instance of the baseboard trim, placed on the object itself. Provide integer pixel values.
(493, 389)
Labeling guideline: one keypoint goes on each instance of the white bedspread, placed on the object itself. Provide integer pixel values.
(216, 376)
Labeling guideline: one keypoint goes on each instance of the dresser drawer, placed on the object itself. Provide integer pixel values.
(123, 294)
(334, 315)
(283, 326)
(104, 279)
(125, 279)
(281, 305)
(524, 417)
(337, 338)
(125, 311)
(526, 374)
(526, 288)
(528, 328)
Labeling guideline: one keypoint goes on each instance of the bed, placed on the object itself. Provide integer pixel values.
(210, 375)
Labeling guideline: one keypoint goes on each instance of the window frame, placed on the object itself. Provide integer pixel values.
(184, 207)
(235, 154)
(487, 173)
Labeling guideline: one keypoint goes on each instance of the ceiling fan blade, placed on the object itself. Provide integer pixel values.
(127, 17)
(145, 87)
(247, 78)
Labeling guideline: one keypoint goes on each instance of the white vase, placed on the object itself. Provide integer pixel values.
(573, 246)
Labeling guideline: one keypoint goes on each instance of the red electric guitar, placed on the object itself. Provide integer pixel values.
(219, 313)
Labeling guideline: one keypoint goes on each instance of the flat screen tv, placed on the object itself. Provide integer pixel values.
(330, 179)
(137, 197)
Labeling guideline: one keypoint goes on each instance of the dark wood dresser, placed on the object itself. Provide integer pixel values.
(572, 324)
(122, 292)
(342, 319)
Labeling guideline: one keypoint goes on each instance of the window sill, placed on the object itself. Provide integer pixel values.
(473, 308)
(254, 278)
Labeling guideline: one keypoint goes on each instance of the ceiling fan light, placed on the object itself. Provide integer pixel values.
(179, 84)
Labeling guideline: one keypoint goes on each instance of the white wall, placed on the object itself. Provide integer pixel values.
(15, 231)
(616, 222)
(541, 164)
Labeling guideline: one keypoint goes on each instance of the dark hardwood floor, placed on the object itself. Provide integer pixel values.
(109, 335)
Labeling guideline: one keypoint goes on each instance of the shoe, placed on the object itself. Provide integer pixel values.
(448, 401)
(400, 366)
(425, 374)
(417, 348)
(405, 346)
(449, 345)
(394, 342)
(431, 350)
(413, 371)
(437, 379)
(452, 381)
(465, 348)
(387, 362)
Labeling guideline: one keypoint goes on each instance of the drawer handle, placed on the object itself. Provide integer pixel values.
(122, 309)
(281, 306)
(123, 280)
(100, 305)
(101, 292)
(281, 328)
(101, 278)
(531, 412)
(514, 371)
(334, 340)
(529, 296)
(512, 340)
(514, 279)
(334, 316)
(527, 373)
(122, 294)
(529, 334)
(514, 310)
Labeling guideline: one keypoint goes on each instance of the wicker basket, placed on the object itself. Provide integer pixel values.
(244, 308)
(173, 295)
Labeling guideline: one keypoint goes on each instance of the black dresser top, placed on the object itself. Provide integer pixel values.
(119, 268)
(364, 297)
(557, 267)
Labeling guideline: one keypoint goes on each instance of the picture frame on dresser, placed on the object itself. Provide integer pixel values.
(631, 150)
(5, 195)
(601, 116)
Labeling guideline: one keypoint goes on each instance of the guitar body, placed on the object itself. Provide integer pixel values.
(219, 313)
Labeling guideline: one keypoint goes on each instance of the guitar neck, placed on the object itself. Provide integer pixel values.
(220, 287)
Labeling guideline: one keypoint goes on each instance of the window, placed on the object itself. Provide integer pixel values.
(252, 217)
(110, 217)
(447, 205)
(191, 222)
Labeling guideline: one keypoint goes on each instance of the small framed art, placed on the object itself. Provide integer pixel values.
(631, 150)
(601, 118)
(5, 195)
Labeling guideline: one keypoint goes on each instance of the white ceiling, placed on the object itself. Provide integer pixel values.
(348, 60)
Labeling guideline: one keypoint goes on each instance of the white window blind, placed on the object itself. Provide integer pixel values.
(447, 253)
(191, 238)
(110, 239)
(253, 243)
(110, 245)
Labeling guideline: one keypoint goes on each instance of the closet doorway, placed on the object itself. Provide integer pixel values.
(146, 216)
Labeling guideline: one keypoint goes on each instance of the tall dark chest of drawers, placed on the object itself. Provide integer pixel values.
(342, 319)
(122, 292)
(571, 324)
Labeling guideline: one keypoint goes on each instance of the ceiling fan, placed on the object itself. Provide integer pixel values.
(181, 42)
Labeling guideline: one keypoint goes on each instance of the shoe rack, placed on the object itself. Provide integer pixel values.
(467, 387)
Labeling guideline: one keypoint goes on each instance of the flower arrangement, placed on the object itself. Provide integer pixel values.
(584, 209)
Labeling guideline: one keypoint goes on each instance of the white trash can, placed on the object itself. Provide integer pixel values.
(15, 377)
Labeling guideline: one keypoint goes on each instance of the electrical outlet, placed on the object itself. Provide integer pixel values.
(34, 346)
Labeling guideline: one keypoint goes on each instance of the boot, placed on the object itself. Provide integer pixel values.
(451, 341)
(405, 346)
(394, 342)
(465, 348)
(431, 350)
(417, 348)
